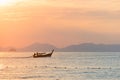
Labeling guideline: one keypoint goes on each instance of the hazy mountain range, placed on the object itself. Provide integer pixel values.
(84, 47)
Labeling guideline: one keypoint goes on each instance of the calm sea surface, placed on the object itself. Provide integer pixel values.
(61, 66)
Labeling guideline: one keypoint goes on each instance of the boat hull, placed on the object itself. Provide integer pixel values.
(46, 55)
(37, 55)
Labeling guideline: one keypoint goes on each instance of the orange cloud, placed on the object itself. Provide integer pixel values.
(61, 24)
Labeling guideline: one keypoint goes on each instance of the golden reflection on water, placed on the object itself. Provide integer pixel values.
(2, 54)
(61, 66)
(2, 66)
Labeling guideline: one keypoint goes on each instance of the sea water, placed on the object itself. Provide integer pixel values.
(61, 66)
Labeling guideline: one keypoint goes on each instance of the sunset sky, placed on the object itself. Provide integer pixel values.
(59, 22)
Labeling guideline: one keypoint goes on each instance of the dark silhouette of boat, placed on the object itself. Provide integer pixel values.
(37, 55)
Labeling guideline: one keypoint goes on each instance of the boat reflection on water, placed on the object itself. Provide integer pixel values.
(37, 54)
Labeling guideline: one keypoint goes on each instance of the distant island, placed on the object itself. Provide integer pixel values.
(84, 47)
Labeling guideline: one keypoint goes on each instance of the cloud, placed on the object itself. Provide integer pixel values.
(90, 4)
(60, 22)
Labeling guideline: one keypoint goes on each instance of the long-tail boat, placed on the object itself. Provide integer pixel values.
(37, 54)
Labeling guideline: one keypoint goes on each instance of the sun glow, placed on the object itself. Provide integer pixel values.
(6, 2)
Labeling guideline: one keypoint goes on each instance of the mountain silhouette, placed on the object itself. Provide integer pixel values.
(38, 47)
(91, 47)
(84, 47)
